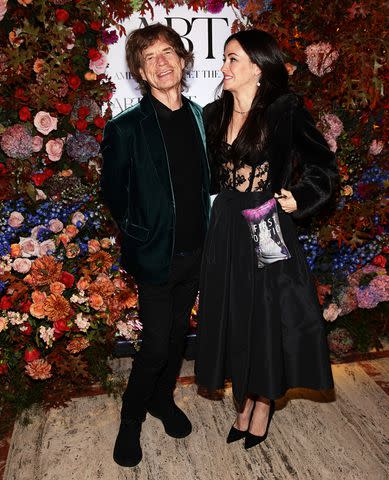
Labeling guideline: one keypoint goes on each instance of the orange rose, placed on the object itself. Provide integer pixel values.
(28, 279)
(64, 239)
(105, 243)
(24, 2)
(37, 310)
(71, 230)
(72, 250)
(90, 76)
(93, 246)
(57, 287)
(66, 173)
(83, 283)
(15, 250)
(38, 65)
(96, 301)
(38, 296)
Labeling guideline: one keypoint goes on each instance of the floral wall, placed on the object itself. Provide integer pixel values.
(63, 297)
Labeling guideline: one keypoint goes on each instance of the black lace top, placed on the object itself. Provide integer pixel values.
(245, 178)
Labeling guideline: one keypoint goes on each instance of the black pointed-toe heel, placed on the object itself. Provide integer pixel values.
(252, 440)
(234, 434)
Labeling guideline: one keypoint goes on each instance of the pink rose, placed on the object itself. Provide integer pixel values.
(54, 149)
(3, 9)
(15, 219)
(46, 247)
(40, 195)
(37, 143)
(21, 265)
(29, 247)
(35, 230)
(45, 123)
(332, 312)
(55, 225)
(376, 147)
(99, 66)
(78, 217)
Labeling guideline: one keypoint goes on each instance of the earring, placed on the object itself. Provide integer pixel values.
(258, 83)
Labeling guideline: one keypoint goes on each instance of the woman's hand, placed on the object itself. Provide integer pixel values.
(287, 201)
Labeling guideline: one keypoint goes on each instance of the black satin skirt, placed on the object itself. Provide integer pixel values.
(260, 327)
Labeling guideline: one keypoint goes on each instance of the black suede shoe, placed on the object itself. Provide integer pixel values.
(127, 451)
(175, 422)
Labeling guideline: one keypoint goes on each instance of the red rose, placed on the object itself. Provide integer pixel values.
(385, 249)
(39, 178)
(308, 103)
(99, 137)
(67, 279)
(3, 369)
(79, 28)
(379, 261)
(24, 114)
(27, 329)
(5, 303)
(94, 54)
(81, 125)
(74, 81)
(95, 25)
(30, 354)
(61, 15)
(356, 141)
(19, 93)
(63, 108)
(61, 326)
(3, 169)
(83, 112)
(99, 122)
(25, 306)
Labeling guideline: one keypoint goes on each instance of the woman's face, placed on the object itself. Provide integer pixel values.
(238, 70)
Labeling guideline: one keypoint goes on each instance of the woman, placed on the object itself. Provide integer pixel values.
(260, 321)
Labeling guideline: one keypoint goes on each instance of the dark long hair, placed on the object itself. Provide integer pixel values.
(262, 49)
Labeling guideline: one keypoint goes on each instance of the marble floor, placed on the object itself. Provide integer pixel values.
(312, 437)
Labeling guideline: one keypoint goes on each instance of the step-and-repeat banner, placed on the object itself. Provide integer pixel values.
(203, 33)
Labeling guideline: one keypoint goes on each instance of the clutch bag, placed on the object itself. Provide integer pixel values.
(265, 229)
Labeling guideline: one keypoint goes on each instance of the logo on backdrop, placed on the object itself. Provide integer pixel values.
(204, 34)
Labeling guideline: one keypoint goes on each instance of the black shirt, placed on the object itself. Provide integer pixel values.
(183, 145)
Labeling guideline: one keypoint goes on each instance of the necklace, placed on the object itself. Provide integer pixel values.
(242, 113)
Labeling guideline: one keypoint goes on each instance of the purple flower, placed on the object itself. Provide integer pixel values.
(215, 6)
(109, 37)
(16, 142)
(367, 297)
(82, 147)
(320, 58)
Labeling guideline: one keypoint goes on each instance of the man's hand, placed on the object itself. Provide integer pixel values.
(287, 201)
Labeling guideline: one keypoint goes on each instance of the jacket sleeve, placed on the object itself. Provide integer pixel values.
(115, 176)
(319, 173)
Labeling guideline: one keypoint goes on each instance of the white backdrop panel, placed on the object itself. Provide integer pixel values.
(203, 32)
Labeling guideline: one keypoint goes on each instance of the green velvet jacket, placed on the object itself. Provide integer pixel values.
(137, 188)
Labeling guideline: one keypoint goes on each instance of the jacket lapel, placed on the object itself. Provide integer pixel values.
(155, 143)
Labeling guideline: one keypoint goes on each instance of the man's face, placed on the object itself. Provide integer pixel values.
(162, 68)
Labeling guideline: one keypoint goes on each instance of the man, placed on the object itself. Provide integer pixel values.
(155, 181)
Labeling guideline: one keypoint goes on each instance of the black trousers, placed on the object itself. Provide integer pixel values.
(164, 311)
